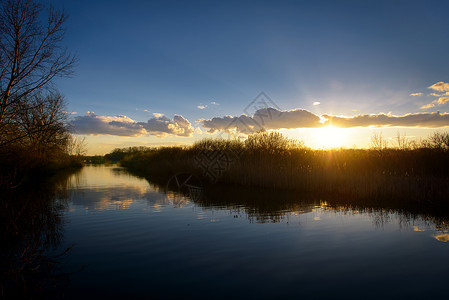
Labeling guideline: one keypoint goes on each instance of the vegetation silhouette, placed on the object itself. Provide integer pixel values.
(418, 174)
(34, 133)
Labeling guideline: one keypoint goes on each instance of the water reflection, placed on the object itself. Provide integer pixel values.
(268, 206)
(113, 188)
(31, 226)
(130, 231)
(277, 206)
(131, 234)
(444, 237)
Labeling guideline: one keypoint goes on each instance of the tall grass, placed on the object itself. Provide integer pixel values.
(270, 160)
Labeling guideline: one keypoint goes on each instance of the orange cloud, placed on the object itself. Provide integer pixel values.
(430, 105)
(440, 86)
(443, 100)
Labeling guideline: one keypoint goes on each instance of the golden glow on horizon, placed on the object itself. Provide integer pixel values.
(330, 137)
(315, 138)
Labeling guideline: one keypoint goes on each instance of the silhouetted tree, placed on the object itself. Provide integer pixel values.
(440, 140)
(31, 56)
(43, 123)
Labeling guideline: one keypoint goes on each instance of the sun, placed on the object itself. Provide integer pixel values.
(330, 137)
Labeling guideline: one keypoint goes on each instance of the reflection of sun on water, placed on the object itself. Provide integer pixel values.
(330, 137)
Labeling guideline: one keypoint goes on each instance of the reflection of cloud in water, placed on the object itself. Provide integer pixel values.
(113, 188)
(201, 215)
(101, 176)
(114, 198)
(442, 237)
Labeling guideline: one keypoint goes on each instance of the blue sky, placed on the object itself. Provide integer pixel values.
(137, 58)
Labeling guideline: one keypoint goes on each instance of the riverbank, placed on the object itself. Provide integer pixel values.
(269, 160)
(19, 167)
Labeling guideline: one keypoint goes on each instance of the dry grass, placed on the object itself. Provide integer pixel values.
(270, 160)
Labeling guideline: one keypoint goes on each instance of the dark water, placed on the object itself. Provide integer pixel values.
(129, 239)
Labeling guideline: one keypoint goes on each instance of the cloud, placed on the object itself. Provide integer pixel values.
(439, 95)
(316, 103)
(416, 94)
(272, 119)
(265, 118)
(443, 100)
(92, 124)
(440, 86)
(439, 101)
(163, 126)
(430, 105)
(428, 120)
(204, 106)
(157, 115)
(242, 124)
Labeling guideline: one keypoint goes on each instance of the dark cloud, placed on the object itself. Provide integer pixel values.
(265, 118)
(270, 119)
(429, 120)
(92, 124)
(163, 126)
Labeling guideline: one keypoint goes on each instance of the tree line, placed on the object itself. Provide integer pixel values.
(34, 131)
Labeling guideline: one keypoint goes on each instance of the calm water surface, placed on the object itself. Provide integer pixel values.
(132, 240)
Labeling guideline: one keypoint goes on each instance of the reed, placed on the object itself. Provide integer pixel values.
(270, 160)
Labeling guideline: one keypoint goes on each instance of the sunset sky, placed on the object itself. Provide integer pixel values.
(172, 72)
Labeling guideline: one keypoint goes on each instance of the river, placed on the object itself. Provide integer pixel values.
(129, 238)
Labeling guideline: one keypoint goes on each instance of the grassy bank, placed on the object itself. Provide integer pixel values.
(270, 160)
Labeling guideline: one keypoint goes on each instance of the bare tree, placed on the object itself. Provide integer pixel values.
(439, 140)
(76, 146)
(31, 56)
(43, 123)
